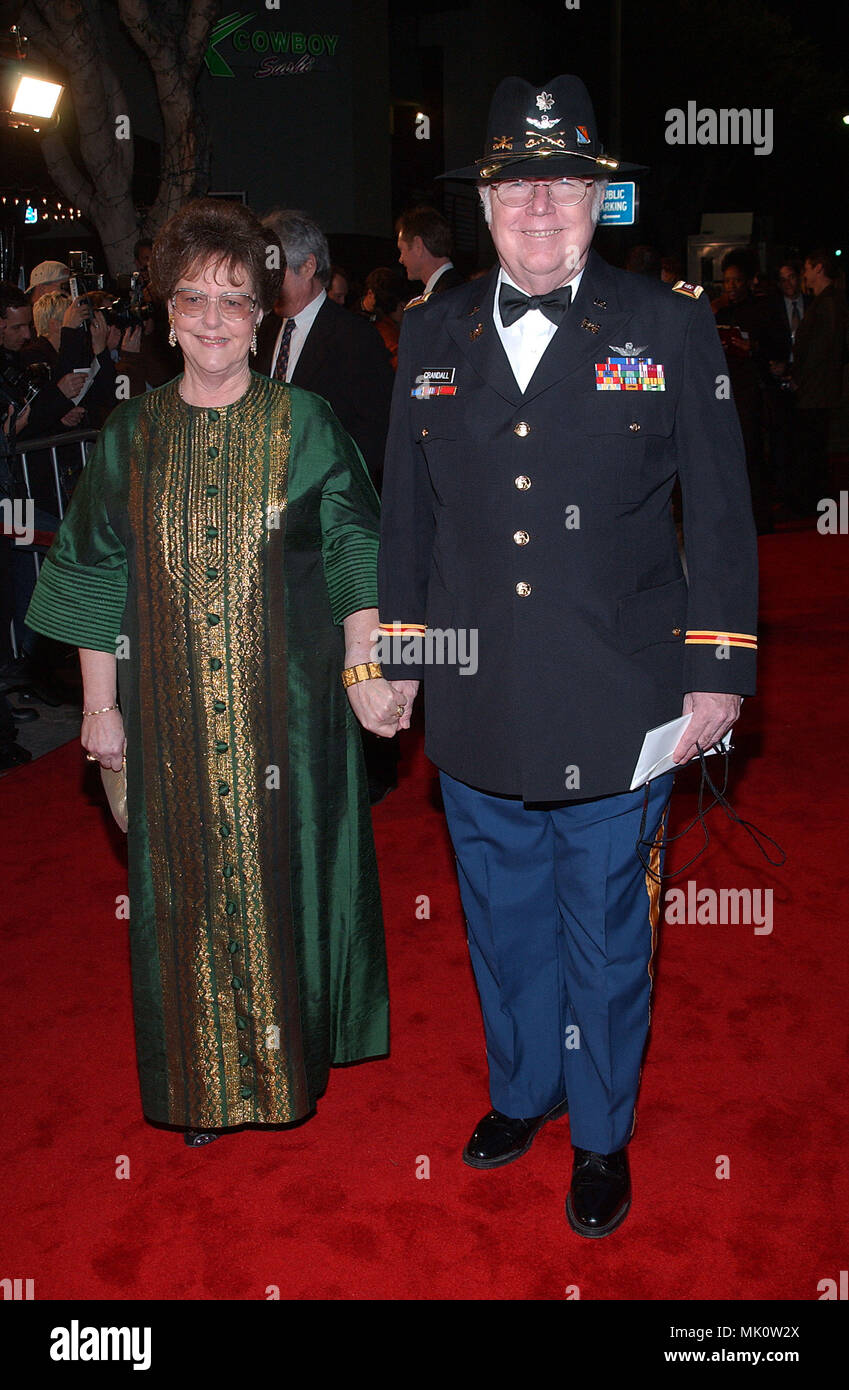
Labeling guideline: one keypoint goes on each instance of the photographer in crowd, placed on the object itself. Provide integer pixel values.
(53, 399)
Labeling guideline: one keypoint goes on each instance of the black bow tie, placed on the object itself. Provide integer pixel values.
(513, 303)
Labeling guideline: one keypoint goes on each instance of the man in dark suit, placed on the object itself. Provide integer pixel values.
(794, 298)
(424, 250)
(316, 344)
(786, 311)
(530, 576)
(820, 349)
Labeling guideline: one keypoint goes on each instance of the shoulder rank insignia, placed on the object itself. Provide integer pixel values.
(684, 287)
(414, 303)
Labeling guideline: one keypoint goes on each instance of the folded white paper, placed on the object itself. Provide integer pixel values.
(92, 373)
(658, 746)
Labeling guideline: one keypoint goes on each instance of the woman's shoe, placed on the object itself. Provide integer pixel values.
(196, 1137)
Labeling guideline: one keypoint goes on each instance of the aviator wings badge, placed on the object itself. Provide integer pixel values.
(628, 350)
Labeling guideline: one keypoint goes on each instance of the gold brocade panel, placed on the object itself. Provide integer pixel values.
(207, 500)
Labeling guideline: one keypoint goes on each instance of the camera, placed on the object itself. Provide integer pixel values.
(19, 385)
(129, 309)
(83, 279)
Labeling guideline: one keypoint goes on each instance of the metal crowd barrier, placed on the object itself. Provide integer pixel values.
(35, 465)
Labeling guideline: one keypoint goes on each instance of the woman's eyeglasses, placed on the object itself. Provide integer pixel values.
(193, 303)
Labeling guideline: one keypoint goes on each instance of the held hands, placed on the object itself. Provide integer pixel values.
(713, 715)
(376, 703)
(407, 691)
(102, 737)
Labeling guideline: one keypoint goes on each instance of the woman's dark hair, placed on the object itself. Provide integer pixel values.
(229, 235)
(389, 288)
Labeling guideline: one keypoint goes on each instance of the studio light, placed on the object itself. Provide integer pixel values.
(35, 97)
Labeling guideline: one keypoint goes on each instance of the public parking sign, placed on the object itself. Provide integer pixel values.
(620, 205)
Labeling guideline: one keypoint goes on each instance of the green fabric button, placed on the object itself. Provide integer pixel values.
(244, 1059)
(246, 1093)
(219, 707)
(215, 663)
(213, 454)
(211, 490)
(224, 831)
(233, 947)
(237, 983)
(223, 788)
(221, 746)
(211, 572)
(241, 1023)
(231, 908)
(213, 619)
(212, 532)
(228, 871)
(213, 416)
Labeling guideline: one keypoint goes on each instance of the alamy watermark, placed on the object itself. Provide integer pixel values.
(17, 519)
(726, 125)
(693, 906)
(436, 646)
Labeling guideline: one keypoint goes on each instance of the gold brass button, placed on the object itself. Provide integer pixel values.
(521, 537)
(676, 632)
(523, 589)
(425, 434)
(522, 483)
(523, 429)
(634, 427)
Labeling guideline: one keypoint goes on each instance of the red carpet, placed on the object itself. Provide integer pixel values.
(747, 1061)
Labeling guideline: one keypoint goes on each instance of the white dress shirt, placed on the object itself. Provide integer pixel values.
(304, 320)
(449, 265)
(526, 340)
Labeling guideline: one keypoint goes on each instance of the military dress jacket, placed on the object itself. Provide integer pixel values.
(530, 537)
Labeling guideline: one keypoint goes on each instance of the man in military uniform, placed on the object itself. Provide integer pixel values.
(539, 421)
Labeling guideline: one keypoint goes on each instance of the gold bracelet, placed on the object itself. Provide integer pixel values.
(106, 709)
(366, 671)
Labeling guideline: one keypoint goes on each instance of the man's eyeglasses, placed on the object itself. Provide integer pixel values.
(193, 303)
(516, 193)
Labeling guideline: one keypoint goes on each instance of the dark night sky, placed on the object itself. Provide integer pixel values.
(779, 54)
(776, 54)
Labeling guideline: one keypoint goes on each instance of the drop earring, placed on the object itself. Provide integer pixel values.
(172, 336)
(254, 343)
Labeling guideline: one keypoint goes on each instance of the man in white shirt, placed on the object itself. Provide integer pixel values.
(794, 299)
(424, 250)
(314, 343)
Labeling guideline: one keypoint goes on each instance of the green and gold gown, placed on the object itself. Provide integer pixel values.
(217, 553)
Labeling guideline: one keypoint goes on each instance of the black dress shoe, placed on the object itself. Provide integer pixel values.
(196, 1138)
(499, 1139)
(600, 1195)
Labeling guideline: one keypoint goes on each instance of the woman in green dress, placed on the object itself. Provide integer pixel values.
(217, 570)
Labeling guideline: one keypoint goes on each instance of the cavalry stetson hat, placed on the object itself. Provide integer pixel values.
(543, 132)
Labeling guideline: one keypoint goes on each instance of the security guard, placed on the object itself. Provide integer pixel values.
(539, 422)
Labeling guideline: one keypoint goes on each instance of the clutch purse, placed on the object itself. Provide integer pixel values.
(115, 786)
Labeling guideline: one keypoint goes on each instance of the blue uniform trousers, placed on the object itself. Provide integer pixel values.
(562, 921)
